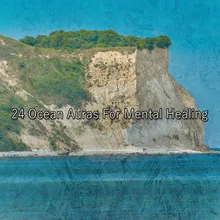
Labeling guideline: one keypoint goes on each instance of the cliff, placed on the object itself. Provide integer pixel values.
(115, 78)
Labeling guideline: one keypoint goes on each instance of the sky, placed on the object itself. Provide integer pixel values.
(192, 25)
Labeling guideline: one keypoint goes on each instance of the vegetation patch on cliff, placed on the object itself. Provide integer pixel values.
(8, 127)
(54, 80)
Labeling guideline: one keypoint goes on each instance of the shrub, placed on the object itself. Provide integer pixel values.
(21, 65)
(163, 42)
(8, 126)
(140, 44)
(29, 40)
(85, 39)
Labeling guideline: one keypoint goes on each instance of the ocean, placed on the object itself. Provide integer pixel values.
(139, 187)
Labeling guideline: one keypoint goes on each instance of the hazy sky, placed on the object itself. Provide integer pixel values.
(192, 25)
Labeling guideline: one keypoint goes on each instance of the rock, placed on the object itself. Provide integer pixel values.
(146, 85)
(63, 153)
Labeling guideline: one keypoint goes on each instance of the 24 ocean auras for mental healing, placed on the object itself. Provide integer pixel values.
(170, 113)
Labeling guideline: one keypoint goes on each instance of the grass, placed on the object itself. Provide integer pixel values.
(8, 126)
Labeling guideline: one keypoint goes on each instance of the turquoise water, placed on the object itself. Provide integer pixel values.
(151, 187)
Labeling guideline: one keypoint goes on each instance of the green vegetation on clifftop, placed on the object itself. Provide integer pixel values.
(85, 39)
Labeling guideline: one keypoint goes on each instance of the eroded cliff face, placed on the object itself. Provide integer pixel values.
(157, 89)
(141, 80)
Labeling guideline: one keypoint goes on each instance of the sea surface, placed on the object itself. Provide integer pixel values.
(139, 187)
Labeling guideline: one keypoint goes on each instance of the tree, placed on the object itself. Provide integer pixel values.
(29, 40)
(140, 44)
(109, 38)
(149, 43)
(163, 42)
(42, 41)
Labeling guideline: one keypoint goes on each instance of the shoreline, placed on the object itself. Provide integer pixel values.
(102, 153)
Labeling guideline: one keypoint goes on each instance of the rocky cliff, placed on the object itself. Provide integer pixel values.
(141, 80)
(117, 79)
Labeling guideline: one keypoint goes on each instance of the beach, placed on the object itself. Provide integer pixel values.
(130, 152)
